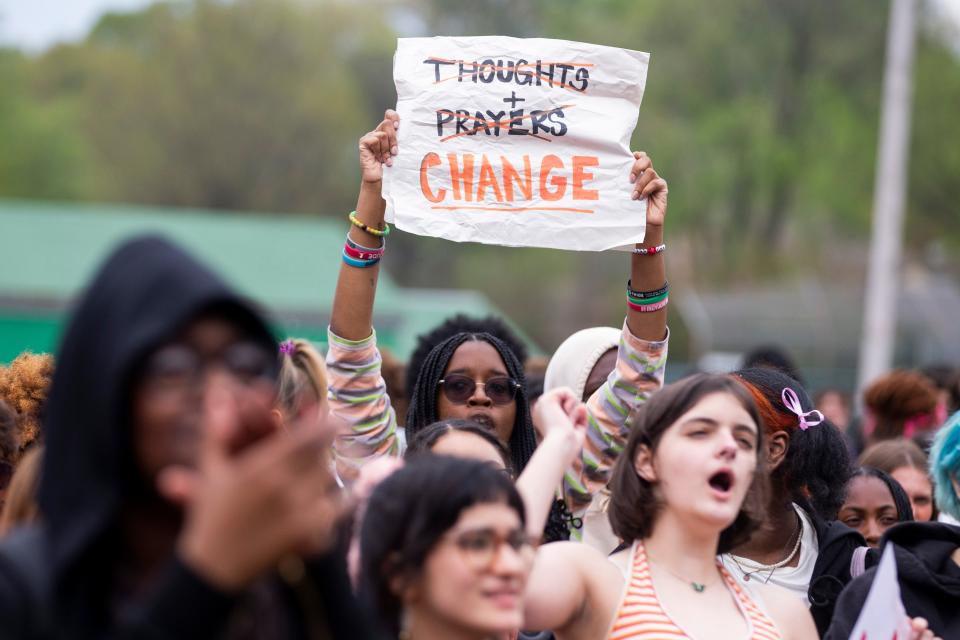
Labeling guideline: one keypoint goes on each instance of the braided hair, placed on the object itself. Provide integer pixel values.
(423, 412)
(900, 499)
(452, 326)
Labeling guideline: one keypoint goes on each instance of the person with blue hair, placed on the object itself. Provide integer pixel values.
(945, 467)
(927, 553)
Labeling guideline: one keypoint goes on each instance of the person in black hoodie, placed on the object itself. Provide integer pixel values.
(800, 546)
(927, 554)
(171, 505)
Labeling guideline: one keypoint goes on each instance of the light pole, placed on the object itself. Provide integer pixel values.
(889, 197)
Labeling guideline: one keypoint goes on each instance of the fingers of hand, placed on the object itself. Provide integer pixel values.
(220, 425)
(580, 417)
(569, 403)
(389, 126)
(393, 117)
(382, 151)
(644, 181)
(656, 187)
(286, 455)
(377, 144)
(641, 163)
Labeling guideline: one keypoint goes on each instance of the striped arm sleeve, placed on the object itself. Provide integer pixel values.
(358, 396)
(639, 373)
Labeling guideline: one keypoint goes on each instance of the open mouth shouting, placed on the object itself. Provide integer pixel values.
(721, 483)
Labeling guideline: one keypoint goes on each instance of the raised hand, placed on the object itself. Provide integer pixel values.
(247, 508)
(648, 184)
(378, 147)
(561, 416)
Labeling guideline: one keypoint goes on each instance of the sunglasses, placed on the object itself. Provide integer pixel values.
(458, 388)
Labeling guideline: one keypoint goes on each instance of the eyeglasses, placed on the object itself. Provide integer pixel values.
(459, 388)
(179, 366)
(481, 547)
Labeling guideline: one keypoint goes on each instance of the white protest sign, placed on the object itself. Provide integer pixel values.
(516, 142)
(883, 616)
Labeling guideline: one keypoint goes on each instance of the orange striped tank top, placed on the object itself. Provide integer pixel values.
(641, 616)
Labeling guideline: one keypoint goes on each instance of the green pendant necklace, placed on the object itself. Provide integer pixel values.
(699, 587)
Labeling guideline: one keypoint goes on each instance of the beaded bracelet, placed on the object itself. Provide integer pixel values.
(356, 254)
(380, 233)
(648, 308)
(360, 264)
(649, 251)
(632, 293)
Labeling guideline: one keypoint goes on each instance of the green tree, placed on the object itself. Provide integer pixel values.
(41, 153)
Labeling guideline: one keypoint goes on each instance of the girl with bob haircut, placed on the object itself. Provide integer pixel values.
(689, 485)
(444, 550)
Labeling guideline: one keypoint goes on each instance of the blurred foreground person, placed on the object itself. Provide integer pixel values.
(171, 506)
(927, 553)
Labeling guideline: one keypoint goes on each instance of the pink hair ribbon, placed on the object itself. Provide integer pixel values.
(792, 402)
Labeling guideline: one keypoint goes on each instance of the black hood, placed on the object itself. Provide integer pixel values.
(929, 546)
(145, 292)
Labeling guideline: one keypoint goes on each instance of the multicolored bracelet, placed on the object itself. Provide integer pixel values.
(360, 264)
(647, 300)
(360, 247)
(358, 254)
(380, 233)
(648, 308)
(632, 293)
(649, 251)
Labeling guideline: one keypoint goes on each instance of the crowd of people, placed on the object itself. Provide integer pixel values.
(175, 472)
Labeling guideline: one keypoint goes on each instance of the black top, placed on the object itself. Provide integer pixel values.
(928, 576)
(836, 543)
(144, 294)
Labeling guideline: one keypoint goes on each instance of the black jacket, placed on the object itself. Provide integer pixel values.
(929, 579)
(57, 580)
(831, 573)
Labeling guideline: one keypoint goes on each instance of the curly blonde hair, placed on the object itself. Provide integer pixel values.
(23, 386)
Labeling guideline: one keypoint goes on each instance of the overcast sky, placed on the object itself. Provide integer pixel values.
(36, 24)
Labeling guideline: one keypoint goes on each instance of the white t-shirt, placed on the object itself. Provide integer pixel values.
(794, 579)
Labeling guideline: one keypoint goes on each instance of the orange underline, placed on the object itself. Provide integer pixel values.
(513, 209)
